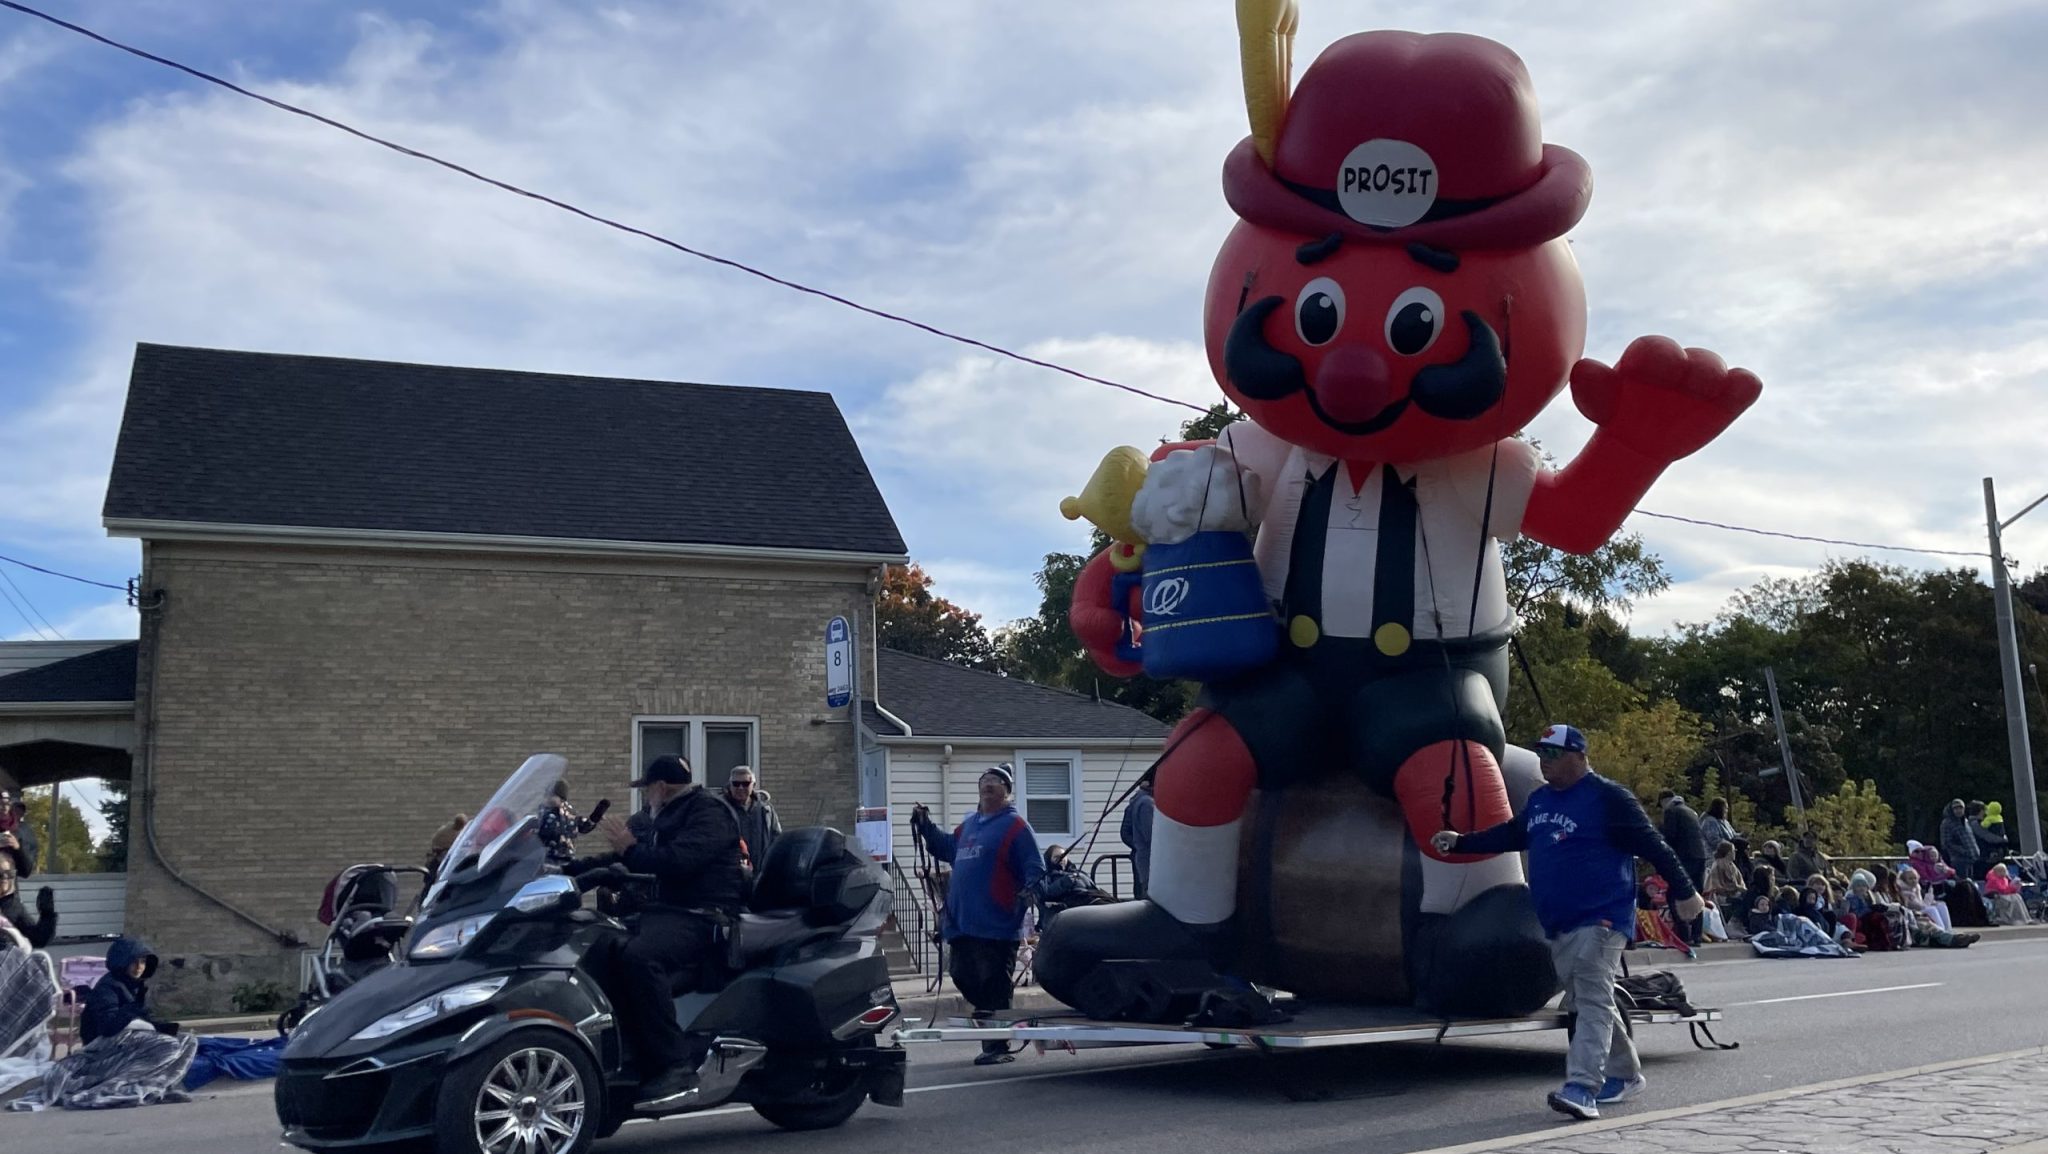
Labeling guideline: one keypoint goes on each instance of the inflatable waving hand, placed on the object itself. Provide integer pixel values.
(1394, 304)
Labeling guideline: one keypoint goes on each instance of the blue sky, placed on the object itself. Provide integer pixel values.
(1850, 206)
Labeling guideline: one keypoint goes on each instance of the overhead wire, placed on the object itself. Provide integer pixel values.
(795, 286)
(53, 572)
(33, 608)
(19, 612)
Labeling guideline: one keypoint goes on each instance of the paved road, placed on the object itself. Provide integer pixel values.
(1800, 1022)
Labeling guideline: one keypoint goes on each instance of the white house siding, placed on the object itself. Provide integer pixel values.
(1106, 772)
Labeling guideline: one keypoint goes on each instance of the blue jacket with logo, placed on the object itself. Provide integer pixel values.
(1583, 843)
(995, 860)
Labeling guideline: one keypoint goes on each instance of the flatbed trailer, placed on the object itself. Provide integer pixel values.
(1310, 1027)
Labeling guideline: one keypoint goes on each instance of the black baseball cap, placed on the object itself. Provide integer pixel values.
(669, 768)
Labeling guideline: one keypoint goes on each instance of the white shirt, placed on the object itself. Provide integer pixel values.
(1451, 496)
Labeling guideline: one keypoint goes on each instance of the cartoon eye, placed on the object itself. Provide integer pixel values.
(1414, 321)
(1319, 311)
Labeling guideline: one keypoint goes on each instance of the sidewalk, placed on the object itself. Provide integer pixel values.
(1730, 951)
(1976, 1106)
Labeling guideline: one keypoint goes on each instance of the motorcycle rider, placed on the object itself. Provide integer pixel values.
(692, 846)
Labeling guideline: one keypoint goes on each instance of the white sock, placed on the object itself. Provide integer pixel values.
(1194, 870)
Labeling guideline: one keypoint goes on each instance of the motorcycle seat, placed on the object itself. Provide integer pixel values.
(755, 935)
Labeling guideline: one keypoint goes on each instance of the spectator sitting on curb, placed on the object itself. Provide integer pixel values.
(996, 864)
(1583, 833)
(2007, 908)
(1773, 855)
(1725, 889)
(121, 996)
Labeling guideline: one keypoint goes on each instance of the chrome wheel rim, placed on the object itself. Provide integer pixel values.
(531, 1103)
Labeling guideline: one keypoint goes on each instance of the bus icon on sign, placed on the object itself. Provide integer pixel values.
(838, 663)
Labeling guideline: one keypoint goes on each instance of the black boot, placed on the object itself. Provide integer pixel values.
(1131, 961)
(1487, 959)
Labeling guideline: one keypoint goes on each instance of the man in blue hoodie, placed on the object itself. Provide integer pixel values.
(121, 996)
(1583, 834)
(995, 863)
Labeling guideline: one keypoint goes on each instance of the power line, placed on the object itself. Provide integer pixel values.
(1804, 537)
(591, 216)
(23, 594)
(53, 572)
(33, 627)
(750, 270)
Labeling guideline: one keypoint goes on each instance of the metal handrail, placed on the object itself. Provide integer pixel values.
(1116, 862)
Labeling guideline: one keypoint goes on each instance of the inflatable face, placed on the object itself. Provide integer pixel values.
(1386, 352)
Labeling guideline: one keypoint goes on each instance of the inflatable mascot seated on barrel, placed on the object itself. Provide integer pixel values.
(1395, 303)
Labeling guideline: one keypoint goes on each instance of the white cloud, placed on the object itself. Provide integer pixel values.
(1768, 182)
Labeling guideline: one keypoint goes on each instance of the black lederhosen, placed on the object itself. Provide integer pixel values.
(1344, 701)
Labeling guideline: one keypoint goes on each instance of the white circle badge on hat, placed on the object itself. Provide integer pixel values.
(1387, 183)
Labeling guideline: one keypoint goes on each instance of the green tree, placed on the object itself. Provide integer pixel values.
(1647, 748)
(113, 849)
(1853, 820)
(74, 849)
(911, 618)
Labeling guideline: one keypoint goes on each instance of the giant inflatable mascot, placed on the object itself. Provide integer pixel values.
(1395, 302)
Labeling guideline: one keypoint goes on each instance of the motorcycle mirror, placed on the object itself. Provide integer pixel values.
(544, 895)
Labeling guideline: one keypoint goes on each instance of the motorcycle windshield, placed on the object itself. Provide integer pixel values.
(506, 823)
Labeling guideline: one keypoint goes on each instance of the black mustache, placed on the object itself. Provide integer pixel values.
(1460, 391)
(1467, 387)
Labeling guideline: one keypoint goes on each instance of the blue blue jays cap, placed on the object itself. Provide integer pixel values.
(1563, 738)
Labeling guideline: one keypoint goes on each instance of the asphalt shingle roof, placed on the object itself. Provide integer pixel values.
(102, 675)
(939, 699)
(268, 439)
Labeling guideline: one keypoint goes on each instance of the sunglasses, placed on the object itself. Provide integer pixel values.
(1550, 752)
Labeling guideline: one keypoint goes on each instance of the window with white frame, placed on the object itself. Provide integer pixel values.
(1049, 792)
(712, 745)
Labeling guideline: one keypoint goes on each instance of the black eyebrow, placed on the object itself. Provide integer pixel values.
(1440, 259)
(1318, 250)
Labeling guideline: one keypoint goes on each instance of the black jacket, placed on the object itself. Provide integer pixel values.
(117, 999)
(1682, 831)
(38, 929)
(693, 847)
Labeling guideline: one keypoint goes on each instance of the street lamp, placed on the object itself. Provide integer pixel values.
(2024, 799)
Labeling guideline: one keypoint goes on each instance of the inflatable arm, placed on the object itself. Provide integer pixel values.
(1658, 404)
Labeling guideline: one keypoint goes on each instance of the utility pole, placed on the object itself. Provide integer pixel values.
(2026, 804)
(1784, 744)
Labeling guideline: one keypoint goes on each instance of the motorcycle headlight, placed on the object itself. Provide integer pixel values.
(442, 941)
(427, 1009)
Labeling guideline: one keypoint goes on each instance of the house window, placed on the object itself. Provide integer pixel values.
(1049, 784)
(712, 745)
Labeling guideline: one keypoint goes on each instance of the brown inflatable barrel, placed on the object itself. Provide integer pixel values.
(1319, 893)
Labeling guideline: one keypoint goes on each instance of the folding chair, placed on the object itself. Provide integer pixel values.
(75, 977)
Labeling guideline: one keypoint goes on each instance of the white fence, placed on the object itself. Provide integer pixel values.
(88, 905)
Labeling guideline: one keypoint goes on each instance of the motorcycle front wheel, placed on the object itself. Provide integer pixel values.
(528, 1094)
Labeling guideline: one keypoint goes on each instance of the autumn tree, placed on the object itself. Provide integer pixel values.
(74, 849)
(911, 618)
(1853, 820)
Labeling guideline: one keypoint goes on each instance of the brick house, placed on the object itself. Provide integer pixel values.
(369, 590)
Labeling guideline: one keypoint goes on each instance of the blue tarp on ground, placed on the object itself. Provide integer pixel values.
(242, 1058)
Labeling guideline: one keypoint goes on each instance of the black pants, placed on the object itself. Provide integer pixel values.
(981, 970)
(668, 953)
(1694, 930)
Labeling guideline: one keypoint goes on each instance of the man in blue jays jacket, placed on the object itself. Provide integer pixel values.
(1583, 834)
(995, 863)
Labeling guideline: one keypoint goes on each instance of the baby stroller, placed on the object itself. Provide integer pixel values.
(361, 907)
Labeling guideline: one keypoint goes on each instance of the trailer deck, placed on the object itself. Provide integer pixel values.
(1310, 1027)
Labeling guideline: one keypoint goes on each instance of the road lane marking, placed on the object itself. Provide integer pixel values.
(1844, 994)
(1555, 1132)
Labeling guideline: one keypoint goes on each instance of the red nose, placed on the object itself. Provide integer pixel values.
(1352, 384)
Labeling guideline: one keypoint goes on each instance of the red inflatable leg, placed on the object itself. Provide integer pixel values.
(1479, 797)
(1208, 772)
